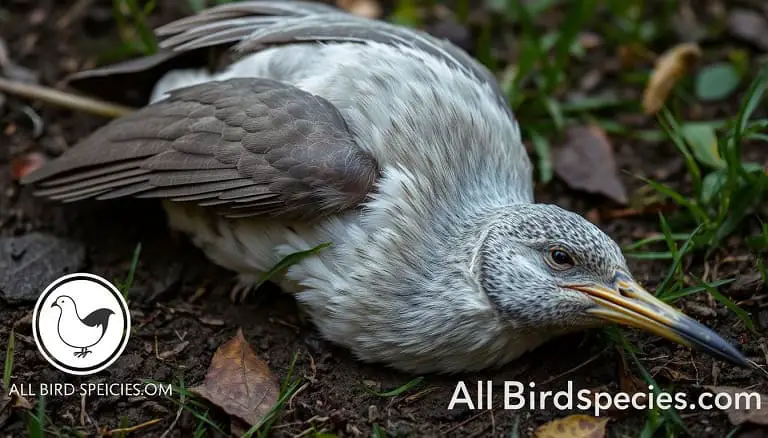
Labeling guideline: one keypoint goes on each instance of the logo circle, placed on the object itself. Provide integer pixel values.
(81, 324)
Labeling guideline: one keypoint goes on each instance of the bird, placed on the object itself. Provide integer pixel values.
(77, 332)
(395, 149)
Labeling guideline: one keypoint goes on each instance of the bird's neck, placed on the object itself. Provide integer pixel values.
(69, 316)
(433, 232)
(419, 265)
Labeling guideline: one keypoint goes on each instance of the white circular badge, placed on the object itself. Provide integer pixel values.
(81, 324)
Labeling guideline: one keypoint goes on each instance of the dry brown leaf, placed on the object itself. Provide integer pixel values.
(239, 382)
(361, 8)
(573, 426)
(754, 415)
(671, 66)
(586, 163)
(20, 402)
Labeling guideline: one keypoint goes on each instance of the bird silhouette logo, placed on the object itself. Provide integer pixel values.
(80, 333)
(81, 323)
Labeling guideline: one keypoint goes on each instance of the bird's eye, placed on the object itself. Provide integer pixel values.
(559, 259)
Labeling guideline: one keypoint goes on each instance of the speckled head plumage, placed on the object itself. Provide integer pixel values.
(531, 251)
(545, 268)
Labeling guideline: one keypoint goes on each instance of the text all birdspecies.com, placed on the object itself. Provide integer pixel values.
(100, 389)
(516, 395)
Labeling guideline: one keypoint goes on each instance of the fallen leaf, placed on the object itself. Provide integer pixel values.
(702, 139)
(756, 414)
(19, 402)
(23, 165)
(586, 163)
(671, 66)
(239, 382)
(573, 426)
(361, 8)
(749, 26)
(31, 262)
(717, 81)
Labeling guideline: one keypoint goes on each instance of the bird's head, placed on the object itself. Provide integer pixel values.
(544, 267)
(63, 302)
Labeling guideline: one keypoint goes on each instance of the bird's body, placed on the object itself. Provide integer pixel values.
(480, 166)
(80, 333)
(395, 147)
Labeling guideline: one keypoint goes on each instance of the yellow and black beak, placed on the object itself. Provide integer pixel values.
(629, 304)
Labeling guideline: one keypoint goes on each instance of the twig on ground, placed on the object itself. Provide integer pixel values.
(64, 99)
(175, 420)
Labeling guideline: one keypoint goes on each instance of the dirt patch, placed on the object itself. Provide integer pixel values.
(181, 297)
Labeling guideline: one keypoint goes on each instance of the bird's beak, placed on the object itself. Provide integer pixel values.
(54, 305)
(627, 303)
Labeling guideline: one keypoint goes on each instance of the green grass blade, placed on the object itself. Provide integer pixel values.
(678, 254)
(139, 16)
(126, 285)
(700, 215)
(674, 296)
(651, 255)
(670, 415)
(730, 305)
(8, 368)
(543, 153)
(397, 391)
(288, 261)
(574, 23)
(556, 113)
(656, 238)
(753, 97)
(742, 204)
(675, 132)
(36, 421)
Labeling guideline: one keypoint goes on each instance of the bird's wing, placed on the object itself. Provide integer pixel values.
(254, 25)
(242, 147)
(98, 317)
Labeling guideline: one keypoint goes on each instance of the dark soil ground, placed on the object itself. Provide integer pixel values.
(178, 296)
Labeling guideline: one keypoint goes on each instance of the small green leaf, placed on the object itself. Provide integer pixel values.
(378, 432)
(702, 139)
(717, 81)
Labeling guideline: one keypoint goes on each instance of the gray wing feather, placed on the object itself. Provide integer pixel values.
(241, 142)
(254, 25)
